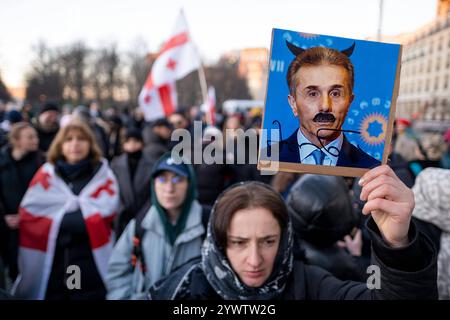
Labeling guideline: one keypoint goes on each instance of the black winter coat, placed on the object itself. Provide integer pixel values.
(334, 259)
(101, 138)
(3, 138)
(45, 137)
(15, 177)
(407, 273)
(212, 179)
(247, 171)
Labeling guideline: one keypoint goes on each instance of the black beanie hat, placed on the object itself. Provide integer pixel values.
(48, 106)
(133, 133)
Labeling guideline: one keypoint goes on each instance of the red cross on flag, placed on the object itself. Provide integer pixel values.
(177, 58)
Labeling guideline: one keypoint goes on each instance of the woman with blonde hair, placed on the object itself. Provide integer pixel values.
(65, 221)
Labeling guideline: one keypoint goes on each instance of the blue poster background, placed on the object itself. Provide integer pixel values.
(375, 66)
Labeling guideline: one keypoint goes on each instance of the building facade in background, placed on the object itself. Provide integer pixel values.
(425, 75)
(253, 64)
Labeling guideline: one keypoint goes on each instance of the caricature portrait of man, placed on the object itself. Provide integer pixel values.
(321, 84)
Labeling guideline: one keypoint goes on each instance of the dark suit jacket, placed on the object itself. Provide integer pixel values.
(349, 155)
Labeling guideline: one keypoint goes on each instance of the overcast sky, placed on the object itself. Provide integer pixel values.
(216, 26)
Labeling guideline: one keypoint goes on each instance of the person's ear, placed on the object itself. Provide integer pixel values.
(293, 105)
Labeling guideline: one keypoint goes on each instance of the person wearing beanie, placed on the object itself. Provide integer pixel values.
(14, 116)
(11, 117)
(172, 228)
(407, 142)
(49, 106)
(134, 133)
(133, 172)
(321, 212)
(157, 137)
(47, 124)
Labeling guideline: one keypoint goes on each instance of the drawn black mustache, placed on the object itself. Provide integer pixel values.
(324, 117)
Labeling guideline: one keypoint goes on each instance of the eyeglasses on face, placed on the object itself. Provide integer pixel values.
(176, 179)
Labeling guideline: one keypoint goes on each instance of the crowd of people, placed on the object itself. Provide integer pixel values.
(102, 191)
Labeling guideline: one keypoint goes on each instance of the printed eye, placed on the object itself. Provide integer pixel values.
(313, 94)
(335, 93)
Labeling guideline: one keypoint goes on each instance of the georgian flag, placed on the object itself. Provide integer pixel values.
(158, 102)
(41, 211)
(177, 58)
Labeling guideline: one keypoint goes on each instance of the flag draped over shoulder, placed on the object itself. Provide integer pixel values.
(46, 201)
(177, 58)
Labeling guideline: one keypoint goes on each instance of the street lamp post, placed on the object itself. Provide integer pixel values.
(380, 20)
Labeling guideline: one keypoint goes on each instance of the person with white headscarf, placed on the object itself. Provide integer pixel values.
(432, 196)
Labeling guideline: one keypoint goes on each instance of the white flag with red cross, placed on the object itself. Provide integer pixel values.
(177, 58)
(42, 209)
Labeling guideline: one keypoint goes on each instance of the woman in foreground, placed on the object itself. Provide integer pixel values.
(248, 250)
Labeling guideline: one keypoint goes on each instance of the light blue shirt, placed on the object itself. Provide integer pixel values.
(306, 151)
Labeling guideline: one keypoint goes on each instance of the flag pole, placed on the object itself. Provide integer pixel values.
(204, 88)
(201, 71)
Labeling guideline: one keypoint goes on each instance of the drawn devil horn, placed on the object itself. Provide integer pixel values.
(294, 49)
(348, 52)
(297, 50)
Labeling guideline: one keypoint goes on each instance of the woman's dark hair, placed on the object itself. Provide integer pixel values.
(246, 196)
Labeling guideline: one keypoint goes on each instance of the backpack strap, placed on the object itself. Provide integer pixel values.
(137, 255)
